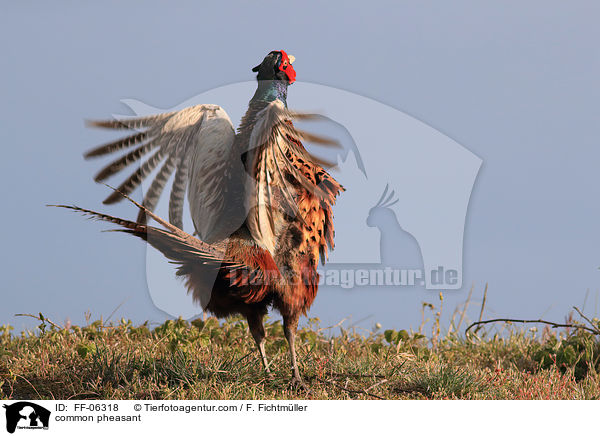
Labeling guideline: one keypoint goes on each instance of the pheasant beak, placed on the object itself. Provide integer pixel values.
(286, 66)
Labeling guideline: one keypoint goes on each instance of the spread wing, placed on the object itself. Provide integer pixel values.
(229, 181)
(196, 144)
(281, 169)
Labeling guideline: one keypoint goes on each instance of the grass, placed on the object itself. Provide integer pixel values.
(208, 359)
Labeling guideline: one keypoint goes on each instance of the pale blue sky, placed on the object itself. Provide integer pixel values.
(515, 84)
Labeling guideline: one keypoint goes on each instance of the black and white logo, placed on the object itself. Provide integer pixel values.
(26, 415)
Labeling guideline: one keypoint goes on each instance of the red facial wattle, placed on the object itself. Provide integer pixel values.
(286, 66)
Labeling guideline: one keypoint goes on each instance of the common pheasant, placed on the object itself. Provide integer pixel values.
(260, 203)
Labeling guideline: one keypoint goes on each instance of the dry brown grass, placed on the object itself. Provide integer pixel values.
(212, 360)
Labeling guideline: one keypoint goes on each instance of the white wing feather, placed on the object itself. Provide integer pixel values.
(214, 167)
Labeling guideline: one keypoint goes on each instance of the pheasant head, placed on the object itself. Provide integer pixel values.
(277, 65)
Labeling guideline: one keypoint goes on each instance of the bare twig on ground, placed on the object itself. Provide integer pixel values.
(353, 391)
(533, 321)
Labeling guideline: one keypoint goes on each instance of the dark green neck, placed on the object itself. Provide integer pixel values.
(270, 90)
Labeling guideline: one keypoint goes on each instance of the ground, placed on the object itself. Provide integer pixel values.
(208, 359)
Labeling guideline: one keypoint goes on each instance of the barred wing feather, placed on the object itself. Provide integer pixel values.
(275, 151)
(196, 143)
